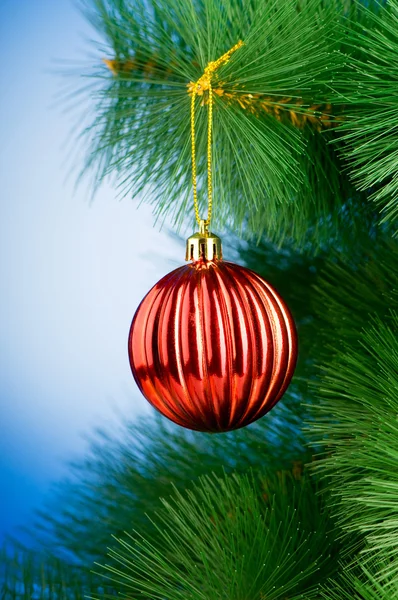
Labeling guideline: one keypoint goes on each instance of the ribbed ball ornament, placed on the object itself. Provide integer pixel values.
(212, 346)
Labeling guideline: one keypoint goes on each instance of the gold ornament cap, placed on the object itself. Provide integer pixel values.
(203, 245)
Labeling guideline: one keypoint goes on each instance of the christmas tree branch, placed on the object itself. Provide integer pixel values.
(284, 109)
(354, 419)
(231, 537)
(270, 97)
(368, 91)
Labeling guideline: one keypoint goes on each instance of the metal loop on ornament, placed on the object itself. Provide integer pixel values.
(203, 245)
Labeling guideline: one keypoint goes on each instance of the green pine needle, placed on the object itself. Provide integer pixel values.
(231, 538)
(360, 583)
(356, 420)
(348, 290)
(126, 472)
(28, 575)
(268, 175)
(368, 91)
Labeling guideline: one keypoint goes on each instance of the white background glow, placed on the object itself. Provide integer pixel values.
(71, 274)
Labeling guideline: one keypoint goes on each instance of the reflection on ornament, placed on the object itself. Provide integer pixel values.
(212, 346)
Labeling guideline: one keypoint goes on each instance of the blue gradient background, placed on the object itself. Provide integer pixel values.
(71, 275)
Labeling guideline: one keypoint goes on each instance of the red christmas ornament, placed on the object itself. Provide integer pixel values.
(212, 346)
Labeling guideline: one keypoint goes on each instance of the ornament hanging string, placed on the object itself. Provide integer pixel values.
(204, 84)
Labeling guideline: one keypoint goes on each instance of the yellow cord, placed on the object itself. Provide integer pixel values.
(204, 84)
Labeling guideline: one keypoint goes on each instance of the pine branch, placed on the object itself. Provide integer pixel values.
(232, 537)
(268, 94)
(359, 388)
(349, 290)
(353, 414)
(26, 575)
(368, 91)
(360, 583)
(126, 473)
(285, 110)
